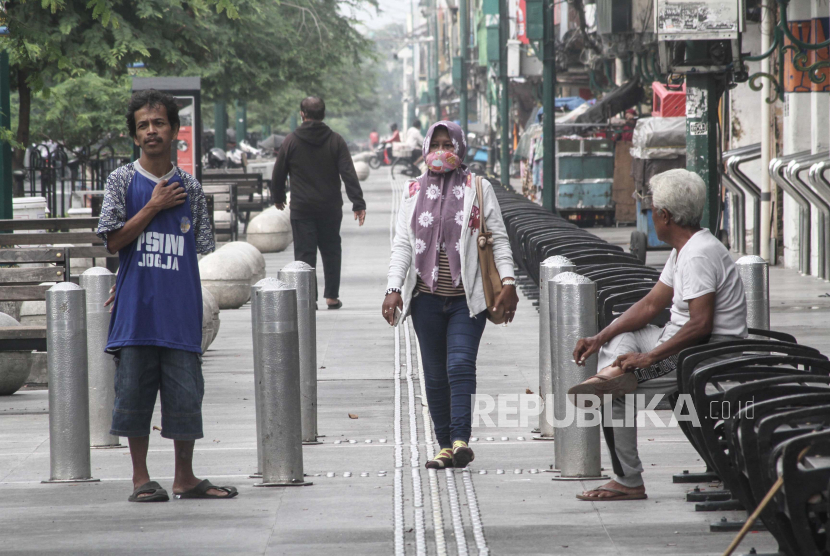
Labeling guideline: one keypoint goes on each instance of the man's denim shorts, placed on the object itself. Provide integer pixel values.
(141, 372)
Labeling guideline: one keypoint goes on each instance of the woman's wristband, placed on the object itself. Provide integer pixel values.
(508, 282)
(393, 290)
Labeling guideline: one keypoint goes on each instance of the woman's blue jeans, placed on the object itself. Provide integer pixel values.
(449, 341)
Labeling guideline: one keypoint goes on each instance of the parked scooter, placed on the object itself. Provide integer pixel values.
(381, 156)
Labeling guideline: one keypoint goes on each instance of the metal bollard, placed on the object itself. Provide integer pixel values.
(577, 449)
(548, 269)
(302, 277)
(258, 369)
(754, 272)
(97, 282)
(68, 386)
(278, 347)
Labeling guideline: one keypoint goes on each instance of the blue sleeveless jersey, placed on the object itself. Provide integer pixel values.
(158, 299)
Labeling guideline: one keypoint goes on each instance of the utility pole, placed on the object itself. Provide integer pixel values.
(413, 83)
(504, 99)
(436, 71)
(241, 121)
(220, 125)
(7, 186)
(703, 93)
(549, 193)
(464, 40)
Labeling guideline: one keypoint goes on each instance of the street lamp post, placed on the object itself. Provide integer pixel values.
(504, 100)
(464, 39)
(549, 105)
(436, 55)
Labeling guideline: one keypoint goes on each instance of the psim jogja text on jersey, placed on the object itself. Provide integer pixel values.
(153, 246)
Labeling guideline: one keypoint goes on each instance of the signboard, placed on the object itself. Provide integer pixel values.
(186, 145)
(681, 20)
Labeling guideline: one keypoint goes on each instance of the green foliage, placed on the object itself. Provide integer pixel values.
(84, 114)
(270, 53)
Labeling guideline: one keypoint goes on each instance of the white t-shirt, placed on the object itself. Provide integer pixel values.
(704, 266)
(414, 139)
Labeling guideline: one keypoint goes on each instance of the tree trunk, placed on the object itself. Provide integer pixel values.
(23, 122)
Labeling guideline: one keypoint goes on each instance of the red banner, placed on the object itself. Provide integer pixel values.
(521, 22)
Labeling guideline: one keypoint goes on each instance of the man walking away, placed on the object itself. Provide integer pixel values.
(415, 141)
(155, 217)
(317, 159)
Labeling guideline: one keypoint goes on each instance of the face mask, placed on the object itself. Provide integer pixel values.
(442, 161)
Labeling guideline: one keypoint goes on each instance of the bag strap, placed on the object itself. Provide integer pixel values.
(482, 229)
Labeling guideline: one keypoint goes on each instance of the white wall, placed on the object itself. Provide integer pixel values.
(745, 125)
(797, 116)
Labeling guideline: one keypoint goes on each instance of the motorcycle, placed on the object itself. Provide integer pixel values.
(380, 157)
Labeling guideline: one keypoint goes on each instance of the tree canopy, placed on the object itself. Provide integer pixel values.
(254, 50)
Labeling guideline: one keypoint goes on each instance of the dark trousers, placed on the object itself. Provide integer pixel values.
(449, 341)
(321, 232)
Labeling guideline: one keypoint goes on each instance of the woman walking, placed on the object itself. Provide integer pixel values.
(434, 275)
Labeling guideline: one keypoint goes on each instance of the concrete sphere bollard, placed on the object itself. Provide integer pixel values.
(252, 254)
(33, 313)
(14, 365)
(362, 170)
(227, 276)
(270, 232)
(210, 319)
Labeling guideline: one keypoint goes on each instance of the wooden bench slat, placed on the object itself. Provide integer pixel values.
(32, 255)
(32, 275)
(49, 224)
(50, 238)
(23, 293)
(91, 252)
(22, 332)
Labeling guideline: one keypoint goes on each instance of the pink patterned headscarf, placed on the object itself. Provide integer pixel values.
(439, 212)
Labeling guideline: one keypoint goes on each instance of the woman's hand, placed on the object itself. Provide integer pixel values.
(508, 299)
(585, 348)
(393, 301)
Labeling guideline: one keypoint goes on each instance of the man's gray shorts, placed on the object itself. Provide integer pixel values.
(143, 371)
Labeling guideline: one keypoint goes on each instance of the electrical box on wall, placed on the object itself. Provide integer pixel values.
(681, 20)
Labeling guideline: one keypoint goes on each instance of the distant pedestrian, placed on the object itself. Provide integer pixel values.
(374, 138)
(155, 217)
(414, 140)
(317, 159)
(434, 273)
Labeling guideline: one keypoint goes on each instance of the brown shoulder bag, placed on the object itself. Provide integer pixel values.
(490, 278)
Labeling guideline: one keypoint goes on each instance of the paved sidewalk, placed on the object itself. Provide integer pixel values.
(368, 370)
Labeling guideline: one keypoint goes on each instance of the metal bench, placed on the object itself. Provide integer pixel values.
(224, 201)
(251, 196)
(78, 232)
(22, 283)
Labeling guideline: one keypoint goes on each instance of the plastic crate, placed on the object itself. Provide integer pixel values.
(666, 103)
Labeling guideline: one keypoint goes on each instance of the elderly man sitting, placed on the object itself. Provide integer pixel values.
(706, 295)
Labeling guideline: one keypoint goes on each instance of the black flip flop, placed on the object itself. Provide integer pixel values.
(201, 491)
(336, 305)
(155, 491)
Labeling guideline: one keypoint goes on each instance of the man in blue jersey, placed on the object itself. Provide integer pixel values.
(155, 217)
